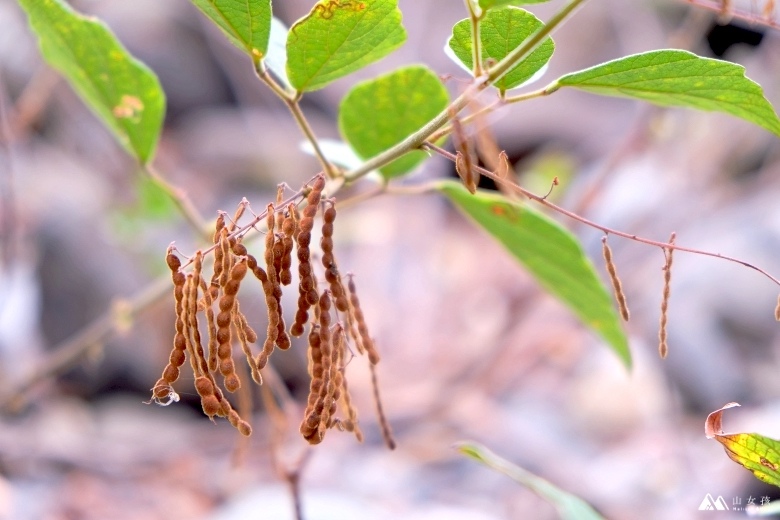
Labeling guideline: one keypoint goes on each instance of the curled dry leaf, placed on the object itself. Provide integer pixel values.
(754, 452)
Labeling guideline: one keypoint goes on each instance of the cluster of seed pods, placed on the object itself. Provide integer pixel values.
(336, 323)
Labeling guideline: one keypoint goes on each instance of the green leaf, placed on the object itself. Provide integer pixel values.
(338, 38)
(381, 112)
(679, 78)
(490, 4)
(246, 23)
(756, 453)
(501, 31)
(121, 90)
(569, 507)
(551, 254)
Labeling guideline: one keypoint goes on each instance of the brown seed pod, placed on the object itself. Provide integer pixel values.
(289, 229)
(238, 214)
(212, 326)
(242, 327)
(387, 433)
(224, 320)
(464, 159)
(663, 346)
(363, 338)
(333, 379)
(193, 314)
(777, 309)
(617, 286)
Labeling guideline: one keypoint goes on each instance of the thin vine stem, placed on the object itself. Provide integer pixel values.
(180, 198)
(292, 99)
(499, 103)
(717, 7)
(606, 230)
(476, 41)
(491, 76)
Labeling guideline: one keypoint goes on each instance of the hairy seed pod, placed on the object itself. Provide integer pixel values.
(288, 228)
(232, 383)
(170, 374)
(363, 338)
(238, 214)
(617, 286)
(241, 331)
(161, 390)
(663, 347)
(208, 305)
(177, 357)
(387, 433)
(204, 386)
(199, 354)
(211, 405)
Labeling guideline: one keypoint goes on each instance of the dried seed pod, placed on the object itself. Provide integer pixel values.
(663, 346)
(163, 388)
(193, 314)
(208, 305)
(613, 276)
(363, 338)
(239, 321)
(224, 319)
(464, 159)
(333, 379)
(218, 227)
(289, 229)
(777, 309)
(315, 370)
(387, 433)
(238, 214)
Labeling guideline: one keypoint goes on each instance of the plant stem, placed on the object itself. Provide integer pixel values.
(544, 202)
(181, 199)
(492, 75)
(717, 7)
(546, 91)
(476, 42)
(295, 109)
(291, 100)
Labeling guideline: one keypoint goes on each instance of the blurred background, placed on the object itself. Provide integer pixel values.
(471, 347)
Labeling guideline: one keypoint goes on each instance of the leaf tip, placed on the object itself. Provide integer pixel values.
(713, 426)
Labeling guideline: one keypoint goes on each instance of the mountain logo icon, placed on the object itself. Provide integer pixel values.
(710, 504)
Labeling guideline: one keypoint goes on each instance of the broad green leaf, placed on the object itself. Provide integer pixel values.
(679, 78)
(276, 58)
(490, 4)
(754, 452)
(339, 37)
(246, 23)
(121, 90)
(569, 507)
(551, 254)
(381, 112)
(501, 31)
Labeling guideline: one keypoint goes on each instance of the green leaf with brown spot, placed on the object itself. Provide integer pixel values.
(551, 254)
(339, 37)
(246, 23)
(121, 90)
(756, 453)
